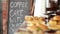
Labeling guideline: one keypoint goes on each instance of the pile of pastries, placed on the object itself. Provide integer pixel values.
(38, 23)
(35, 23)
(54, 23)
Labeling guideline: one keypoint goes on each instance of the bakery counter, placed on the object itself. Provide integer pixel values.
(23, 30)
(35, 32)
(36, 25)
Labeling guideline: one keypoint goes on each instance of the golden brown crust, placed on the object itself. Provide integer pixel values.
(31, 28)
(43, 27)
(28, 18)
(35, 22)
(35, 18)
(52, 22)
(56, 17)
(41, 19)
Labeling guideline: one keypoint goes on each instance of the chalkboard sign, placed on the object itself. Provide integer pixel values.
(18, 9)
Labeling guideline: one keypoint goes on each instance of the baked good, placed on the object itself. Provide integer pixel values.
(56, 17)
(28, 18)
(42, 20)
(34, 23)
(32, 28)
(43, 27)
(35, 18)
(52, 23)
(53, 27)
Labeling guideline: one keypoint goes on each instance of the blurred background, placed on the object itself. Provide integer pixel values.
(14, 11)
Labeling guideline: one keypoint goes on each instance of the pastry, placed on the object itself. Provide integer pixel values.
(28, 18)
(52, 23)
(32, 28)
(42, 20)
(56, 17)
(43, 27)
(35, 18)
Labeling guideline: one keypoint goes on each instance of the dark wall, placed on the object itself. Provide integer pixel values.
(18, 9)
(59, 2)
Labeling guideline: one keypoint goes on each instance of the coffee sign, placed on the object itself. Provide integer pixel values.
(18, 10)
